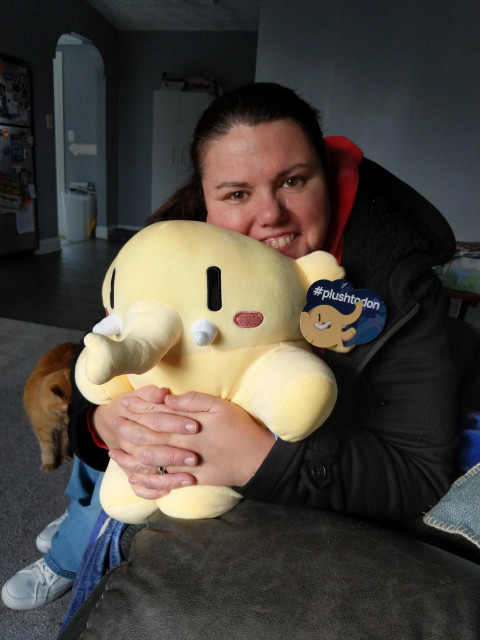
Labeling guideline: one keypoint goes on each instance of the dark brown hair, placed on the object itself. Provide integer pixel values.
(251, 105)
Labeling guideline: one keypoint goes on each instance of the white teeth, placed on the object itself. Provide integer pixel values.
(278, 243)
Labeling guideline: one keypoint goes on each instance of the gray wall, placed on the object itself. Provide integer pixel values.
(30, 30)
(399, 78)
(228, 58)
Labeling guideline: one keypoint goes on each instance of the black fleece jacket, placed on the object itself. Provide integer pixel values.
(387, 449)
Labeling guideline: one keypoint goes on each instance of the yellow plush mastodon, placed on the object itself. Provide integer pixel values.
(191, 306)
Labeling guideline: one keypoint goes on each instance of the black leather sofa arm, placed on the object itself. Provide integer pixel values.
(271, 572)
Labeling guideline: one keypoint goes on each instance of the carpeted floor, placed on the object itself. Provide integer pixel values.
(29, 498)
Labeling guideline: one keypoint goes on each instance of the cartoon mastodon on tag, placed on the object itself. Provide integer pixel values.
(337, 315)
(325, 326)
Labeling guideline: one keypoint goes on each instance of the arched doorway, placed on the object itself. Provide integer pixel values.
(80, 140)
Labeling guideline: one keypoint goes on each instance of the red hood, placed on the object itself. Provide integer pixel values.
(344, 157)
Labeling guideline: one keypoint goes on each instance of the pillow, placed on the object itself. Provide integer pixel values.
(459, 510)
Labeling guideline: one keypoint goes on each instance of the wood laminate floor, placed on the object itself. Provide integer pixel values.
(62, 289)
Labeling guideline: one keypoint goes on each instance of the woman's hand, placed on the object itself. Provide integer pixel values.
(229, 444)
(198, 437)
(134, 421)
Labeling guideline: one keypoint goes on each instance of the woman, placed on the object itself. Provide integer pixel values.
(262, 168)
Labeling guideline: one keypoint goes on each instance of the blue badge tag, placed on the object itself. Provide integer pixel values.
(337, 314)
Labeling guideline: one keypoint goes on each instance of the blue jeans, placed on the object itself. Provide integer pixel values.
(70, 541)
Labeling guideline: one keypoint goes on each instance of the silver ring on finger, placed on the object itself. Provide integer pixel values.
(162, 470)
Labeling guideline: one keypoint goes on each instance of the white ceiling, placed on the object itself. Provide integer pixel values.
(180, 15)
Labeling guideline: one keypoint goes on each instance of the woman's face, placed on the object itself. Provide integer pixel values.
(268, 183)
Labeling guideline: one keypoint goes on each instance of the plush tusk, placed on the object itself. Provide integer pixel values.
(204, 332)
(109, 326)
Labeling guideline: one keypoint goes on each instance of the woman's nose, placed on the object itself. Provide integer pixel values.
(272, 211)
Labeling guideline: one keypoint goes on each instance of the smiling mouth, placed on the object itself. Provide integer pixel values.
(280, 242)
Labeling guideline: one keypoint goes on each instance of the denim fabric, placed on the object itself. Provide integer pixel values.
(70, 541)
(102, 554)
(459, 511)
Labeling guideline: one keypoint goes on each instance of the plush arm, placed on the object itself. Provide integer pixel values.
(269, 393)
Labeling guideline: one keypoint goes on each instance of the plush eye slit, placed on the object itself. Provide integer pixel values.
(214, 289)
(112, 289)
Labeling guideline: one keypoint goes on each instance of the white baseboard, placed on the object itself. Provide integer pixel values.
(101, 232)
(49, 245)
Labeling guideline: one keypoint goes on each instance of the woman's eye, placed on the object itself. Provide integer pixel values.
(237, 196)
(295, 181)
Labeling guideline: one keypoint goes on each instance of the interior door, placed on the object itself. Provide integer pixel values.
(175, 114)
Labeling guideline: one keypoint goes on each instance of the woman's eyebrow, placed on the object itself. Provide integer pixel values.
(285, 172)
(235, 185)
(295, 167)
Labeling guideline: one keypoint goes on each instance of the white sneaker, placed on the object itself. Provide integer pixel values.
(34, 586)
(44, 538)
